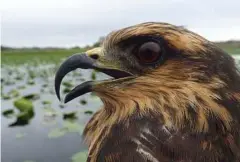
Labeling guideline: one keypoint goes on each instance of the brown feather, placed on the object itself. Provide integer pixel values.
(186, 110)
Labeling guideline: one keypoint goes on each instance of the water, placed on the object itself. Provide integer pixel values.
(32, 141)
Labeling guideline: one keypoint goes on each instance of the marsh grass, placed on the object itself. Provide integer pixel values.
(35, 57)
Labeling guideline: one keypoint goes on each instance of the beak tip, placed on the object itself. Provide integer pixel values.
(58, 97)
(66, 100)
(57, 92)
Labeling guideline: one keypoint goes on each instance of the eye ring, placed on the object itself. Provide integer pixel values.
(149, 52)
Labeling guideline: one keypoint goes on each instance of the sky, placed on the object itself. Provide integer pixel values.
(67, 23)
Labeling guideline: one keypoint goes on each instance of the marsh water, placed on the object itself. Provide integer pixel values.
(53, 133)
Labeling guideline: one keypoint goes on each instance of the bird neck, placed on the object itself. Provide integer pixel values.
(199, 108)
(188, 103)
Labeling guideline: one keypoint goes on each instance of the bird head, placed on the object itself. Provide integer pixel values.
(162, 68)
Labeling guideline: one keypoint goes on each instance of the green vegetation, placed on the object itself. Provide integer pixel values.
(55, 55)
(232, 47)
(33, 56)
(70, 116)
(26, 112)
(8, 113)
(67, 127)
(20, 135)
(80, 156)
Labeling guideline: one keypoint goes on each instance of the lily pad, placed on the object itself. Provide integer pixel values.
(88, 112)
(31, 74)
(61, 106)
(93, 76)
(26, 112)
(46, 102)
(8, 113)
(21, 87)
(70, 116)
(32, 96)
(9, 82)
(6, 97)
(20, 135)
(19, 77)
(80, 156)
(77, 73)
(30, 82)
(68, 127)
(66, 90)
(51, 91)
(23, 105)
(81, 79)
(57, 132)
(83, 102)
(14, 93)
(50, 111)
(44, 85)
(68, 84)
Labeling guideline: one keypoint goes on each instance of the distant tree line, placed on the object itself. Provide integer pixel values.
(235, 43)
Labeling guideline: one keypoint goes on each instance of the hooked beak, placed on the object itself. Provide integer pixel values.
(83, 61)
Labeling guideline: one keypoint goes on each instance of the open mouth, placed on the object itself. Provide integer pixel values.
(82, 61)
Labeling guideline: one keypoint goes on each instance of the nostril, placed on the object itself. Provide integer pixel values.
(94, 56)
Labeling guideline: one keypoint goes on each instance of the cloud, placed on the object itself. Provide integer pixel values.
(78, 22)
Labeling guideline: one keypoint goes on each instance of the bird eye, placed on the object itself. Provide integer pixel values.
(149, 52)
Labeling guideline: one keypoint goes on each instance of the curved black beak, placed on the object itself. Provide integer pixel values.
(72, 63)
(84, 62)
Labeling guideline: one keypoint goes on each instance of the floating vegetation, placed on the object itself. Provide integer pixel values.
(76, 73)
(70, 116)
(7, 83)
(14, 93)
(9, 113)
(46, 102)
(19, 77)
(26, 112)
(66, 90)
(88, 112)
(80, 156)
(23, 105)
(81, 79)
(68, 127)
(50, 115)
(31, 74)
(44, 85)
(20, 135)
(57, 132)
(21, 87)
(6, 97)
(50, 112)
(32, 96)
(68, 84)
(93, 76)
(83, 102)
(30, 82)
(61, 106)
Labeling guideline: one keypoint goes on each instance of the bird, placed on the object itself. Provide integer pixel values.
(173, 96)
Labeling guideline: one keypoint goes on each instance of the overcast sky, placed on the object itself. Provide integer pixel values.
(80, 22)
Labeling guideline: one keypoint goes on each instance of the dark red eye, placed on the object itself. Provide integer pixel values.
(149, 52)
